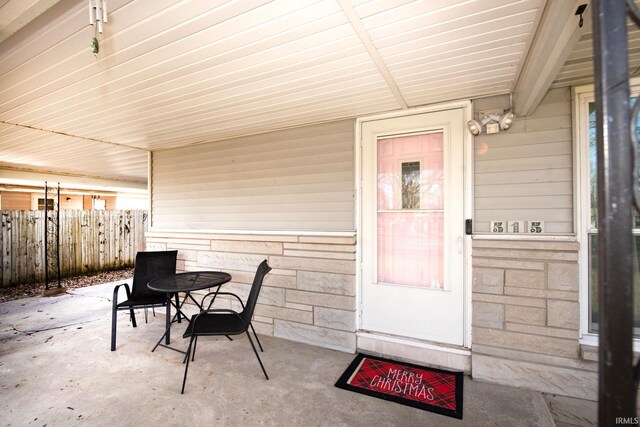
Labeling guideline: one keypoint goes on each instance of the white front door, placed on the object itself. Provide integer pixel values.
(413, 226)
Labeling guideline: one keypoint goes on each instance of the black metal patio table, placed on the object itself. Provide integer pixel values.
(185, 282)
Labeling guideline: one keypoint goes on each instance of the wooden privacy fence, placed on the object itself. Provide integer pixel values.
(90, 241)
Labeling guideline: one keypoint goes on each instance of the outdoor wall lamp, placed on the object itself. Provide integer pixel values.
(493, 122)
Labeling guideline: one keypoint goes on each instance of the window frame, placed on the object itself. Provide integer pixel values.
(581, 97)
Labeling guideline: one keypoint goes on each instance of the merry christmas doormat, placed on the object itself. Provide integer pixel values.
(430, 389)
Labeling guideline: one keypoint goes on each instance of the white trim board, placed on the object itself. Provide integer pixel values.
(161, 232)
(416, 351)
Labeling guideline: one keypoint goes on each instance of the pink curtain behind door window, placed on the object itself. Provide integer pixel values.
(410, 243)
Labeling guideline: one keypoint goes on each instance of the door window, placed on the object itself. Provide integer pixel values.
(410, 215)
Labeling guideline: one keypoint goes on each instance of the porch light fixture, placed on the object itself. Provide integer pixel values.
(98, 13)
(491, 120)
(475, 127)
(507, 120)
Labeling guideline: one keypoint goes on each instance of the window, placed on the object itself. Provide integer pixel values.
(99, 204)
(589, 228)
(410, 210)
(410, 185)
(50, 204)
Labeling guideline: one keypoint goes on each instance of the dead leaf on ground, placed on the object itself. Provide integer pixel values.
(26, 290)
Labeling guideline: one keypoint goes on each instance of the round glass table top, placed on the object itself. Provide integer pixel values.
(189, 281)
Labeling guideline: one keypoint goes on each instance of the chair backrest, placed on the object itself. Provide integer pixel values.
(262, 271)
(149, 266)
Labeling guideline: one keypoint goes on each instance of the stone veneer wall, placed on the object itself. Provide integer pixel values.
(526, 316)
(309, 296)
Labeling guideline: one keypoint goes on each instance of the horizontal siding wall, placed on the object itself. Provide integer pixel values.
(15, 201)
(526, 172)
(71, 202)
(309, 296)
(297, 179)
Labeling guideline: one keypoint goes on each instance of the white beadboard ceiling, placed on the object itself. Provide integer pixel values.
(15, 14)
(173, 73)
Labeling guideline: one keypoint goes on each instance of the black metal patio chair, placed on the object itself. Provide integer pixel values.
(213, 322)
(148, 266)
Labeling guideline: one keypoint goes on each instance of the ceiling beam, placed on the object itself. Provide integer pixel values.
(556, 37)
(74, 136)
(34, 178)
(361, 31)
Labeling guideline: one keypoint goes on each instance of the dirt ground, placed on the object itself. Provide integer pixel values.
(11, 293)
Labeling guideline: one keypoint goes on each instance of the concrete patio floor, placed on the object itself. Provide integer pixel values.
(56, 370)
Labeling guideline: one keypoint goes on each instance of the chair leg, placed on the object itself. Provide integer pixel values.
(186, 354)
(195, 344)
(146, 315)
(114, 313)
(257, 355)
(256, 335)
(153, 309)
(133, 318)
(186, 368)
(167, 337)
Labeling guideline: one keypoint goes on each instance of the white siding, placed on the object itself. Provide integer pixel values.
(525, 173)
(297, 179)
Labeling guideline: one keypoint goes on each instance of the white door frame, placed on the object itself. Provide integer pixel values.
(467, 200)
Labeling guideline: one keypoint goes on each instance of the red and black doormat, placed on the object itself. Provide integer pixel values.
(430, 389)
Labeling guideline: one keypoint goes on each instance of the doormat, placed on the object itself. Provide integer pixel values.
(434, 390)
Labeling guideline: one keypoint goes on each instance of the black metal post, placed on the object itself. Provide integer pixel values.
(46, 246)
(58, 236)
(615, 163)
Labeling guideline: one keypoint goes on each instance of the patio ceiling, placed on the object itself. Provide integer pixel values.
(173, 73)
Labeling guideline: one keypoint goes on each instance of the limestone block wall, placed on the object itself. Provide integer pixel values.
(526, 313)
(309, 296)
